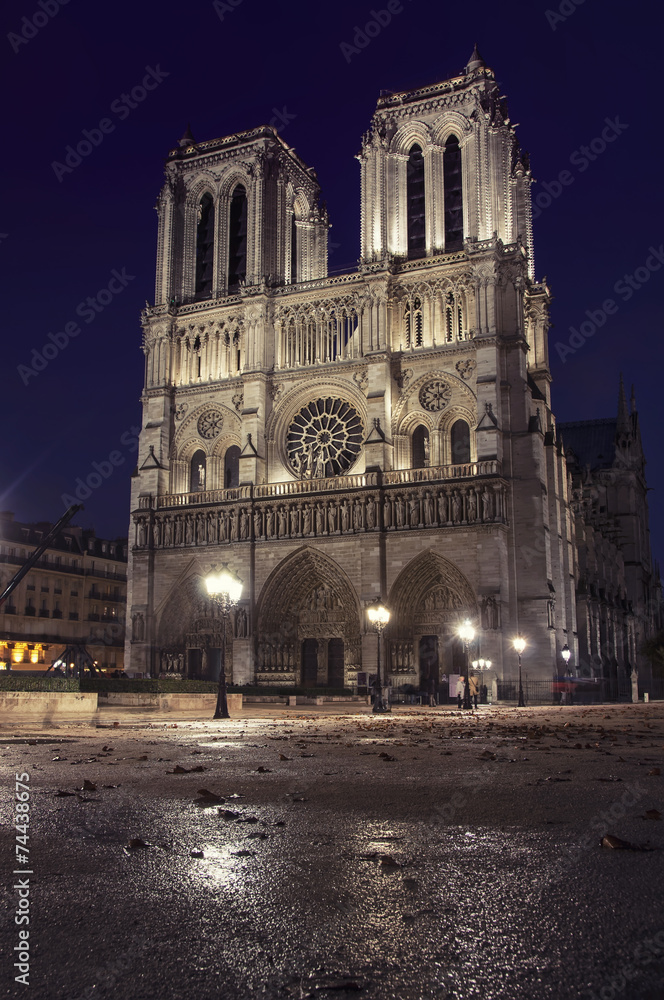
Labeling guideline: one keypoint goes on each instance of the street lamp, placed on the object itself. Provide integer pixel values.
(466, 633)
(379, 616)
(519, 645)
(566, 653)
(224, 589)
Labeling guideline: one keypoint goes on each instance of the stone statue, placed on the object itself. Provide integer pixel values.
(428, 508)
(189, 530)
(137, 627)
(332, 518)
(456, 508)
(281, 514)
(486, 505)
(401, 510)
(212, 528)
(344, 516)
(142, 533)
(387, 513)
(201, 476)
(294, 519)
(442, 508)
(320, 514)
(371, 514)
(269, 523)
(168, 531)
(414, 512)
(306, 521)
(244, 524)
(257, 523)
(233, 523)
(472, 506)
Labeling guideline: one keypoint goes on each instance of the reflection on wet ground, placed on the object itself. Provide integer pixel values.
(460, 862)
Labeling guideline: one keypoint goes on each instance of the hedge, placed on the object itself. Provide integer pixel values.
(14, 682)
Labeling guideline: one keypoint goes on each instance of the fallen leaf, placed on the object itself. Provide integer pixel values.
(228, 813)
(196, 852)
(621, 845)
(264, 770)
(655, 771)
(89, 786)
(137, 842)
(60, 793)
(652, 814)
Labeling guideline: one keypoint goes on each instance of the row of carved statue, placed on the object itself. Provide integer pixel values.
(413, 509)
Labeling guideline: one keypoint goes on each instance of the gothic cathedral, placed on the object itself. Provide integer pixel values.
(382, 433)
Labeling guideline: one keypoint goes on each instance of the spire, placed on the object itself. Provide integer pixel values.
(475, 61)
(632, 402)
(623, 425)
(187, 139)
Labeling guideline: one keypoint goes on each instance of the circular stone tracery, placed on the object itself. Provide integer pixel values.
(435, 395)
(210, 424)
(324, 439)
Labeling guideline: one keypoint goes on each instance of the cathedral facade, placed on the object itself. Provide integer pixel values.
(382, 433)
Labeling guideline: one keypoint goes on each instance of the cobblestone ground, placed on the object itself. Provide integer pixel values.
(423, 854)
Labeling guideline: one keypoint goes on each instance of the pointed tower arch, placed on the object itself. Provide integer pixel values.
(428, 600)
(306, 608)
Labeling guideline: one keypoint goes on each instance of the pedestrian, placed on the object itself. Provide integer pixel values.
(474, 689)
(432, 692)
(460, 691)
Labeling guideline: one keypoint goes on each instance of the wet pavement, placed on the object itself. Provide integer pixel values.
(423, 854)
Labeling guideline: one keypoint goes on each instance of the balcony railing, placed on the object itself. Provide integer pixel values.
(301, 487)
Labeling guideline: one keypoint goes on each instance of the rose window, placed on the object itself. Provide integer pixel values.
(210, 424)
(435, 395)
(324, 439)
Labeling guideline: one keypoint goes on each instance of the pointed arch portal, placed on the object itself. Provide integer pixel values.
(308, 623)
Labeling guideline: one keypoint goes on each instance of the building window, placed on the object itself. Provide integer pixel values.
(452, 183)
(237, 239)
(415, 203)
(205, 247)
(198, 472)
(420, 456)
(460, 442)
(413, 324)
(232, 467)
(454, 325)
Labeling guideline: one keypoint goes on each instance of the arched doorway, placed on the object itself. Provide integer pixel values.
(310, 663)
(308, 603)
(335, 663)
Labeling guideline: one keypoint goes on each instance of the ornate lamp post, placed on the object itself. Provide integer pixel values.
(566, 653)
(379, 616)
(466, 633)
(225, 589)
(519, 645)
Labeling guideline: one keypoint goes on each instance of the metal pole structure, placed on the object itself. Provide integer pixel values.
(221, 711)
(43, 545)
(466, 689)
(379, 705)
(225, 590)
(522, 703)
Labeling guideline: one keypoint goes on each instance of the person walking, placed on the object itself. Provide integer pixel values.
(432, 692)
(474, 689)
(461, 687)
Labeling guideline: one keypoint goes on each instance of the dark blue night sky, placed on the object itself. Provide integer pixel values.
(66, 235)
